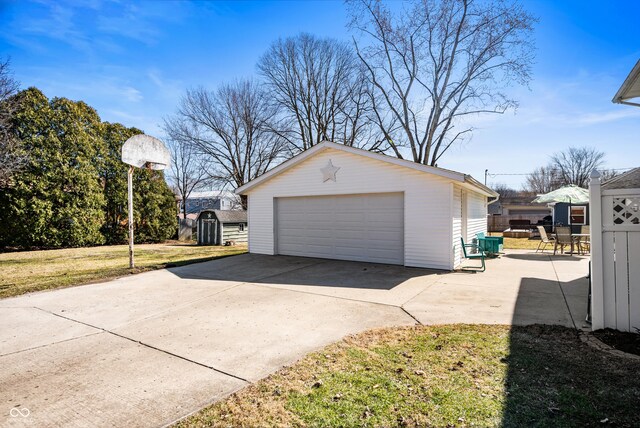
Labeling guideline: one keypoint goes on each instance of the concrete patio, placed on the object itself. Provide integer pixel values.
(146, 350)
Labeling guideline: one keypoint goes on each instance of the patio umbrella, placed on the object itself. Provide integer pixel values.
(570, 194)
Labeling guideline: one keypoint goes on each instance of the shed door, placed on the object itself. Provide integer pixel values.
(208, 232)
(367, 227)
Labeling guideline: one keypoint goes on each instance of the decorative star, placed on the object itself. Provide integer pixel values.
(329, 172)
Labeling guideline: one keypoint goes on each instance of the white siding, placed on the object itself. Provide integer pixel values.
(477, 215)
(457, 225)
(427, 198)
(476, 220)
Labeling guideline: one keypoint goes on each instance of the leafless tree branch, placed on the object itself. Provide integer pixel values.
(232, 130)
(12, 157)
(437, 62)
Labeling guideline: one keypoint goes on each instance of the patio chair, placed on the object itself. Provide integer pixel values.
(563, 237)
(584, 244)
(544, 239)
(473, 256)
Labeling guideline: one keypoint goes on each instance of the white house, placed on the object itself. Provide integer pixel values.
(338, 202)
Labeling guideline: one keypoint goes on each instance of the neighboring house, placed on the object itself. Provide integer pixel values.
(338, 202)
(210, 200)
(519, 205)
(216, 227)
(574, 215)
(516, 208)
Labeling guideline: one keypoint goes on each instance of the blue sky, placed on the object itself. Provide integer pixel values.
(132, 61)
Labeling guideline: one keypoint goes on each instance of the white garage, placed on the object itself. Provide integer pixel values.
(337, 202)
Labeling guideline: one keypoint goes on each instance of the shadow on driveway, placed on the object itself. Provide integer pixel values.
(303, 271)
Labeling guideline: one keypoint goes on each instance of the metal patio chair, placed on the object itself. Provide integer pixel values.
(544, 239)
(563, 238)
(473, 256)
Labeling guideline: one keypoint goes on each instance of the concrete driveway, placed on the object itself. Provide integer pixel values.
(146, 350)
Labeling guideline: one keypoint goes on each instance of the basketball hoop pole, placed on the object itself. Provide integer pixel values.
(130, 191)
(141, 151)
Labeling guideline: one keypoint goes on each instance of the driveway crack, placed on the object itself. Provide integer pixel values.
(148, 346)
(411, 315)
(50, 344)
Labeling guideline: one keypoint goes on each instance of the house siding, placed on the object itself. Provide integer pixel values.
(476, 220)
(231, 232)
(456, 219)
(476, 215)
(427, 199)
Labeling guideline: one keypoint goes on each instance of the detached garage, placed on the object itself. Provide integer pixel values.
(337, 202)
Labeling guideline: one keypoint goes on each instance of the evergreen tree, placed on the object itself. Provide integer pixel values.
(73, 189)
(154, 203)
(56, 199)
(114, 177)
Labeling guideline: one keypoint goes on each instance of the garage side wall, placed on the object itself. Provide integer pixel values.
(457, 225)
(427, 199)
(476, 219)
(477, 215)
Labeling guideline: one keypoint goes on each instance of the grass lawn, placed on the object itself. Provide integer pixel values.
(442, 376)
(27, 271)
(520, 243)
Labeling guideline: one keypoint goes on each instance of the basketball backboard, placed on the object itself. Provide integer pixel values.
(145, 151)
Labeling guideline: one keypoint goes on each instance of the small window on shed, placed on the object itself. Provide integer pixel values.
(241, 229)
(578, 215)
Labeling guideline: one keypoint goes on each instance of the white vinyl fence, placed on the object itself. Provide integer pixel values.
(615, 257)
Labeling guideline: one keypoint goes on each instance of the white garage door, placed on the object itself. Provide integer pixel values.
(367, 227)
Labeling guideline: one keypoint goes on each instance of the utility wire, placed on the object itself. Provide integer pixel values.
(492, 174)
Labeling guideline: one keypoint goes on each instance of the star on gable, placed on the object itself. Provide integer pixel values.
(329, 172)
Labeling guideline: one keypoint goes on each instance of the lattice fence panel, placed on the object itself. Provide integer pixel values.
(626, 210)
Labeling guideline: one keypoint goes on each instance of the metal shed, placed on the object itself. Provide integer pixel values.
(216, 227)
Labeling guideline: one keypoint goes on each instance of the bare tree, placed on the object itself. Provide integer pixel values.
(542, 180)
(188, 172)
(321, 91)
(436, 63)
(572, 166)
(575, 165)
(607, 174)
(12, 157)
(505, 191)
(231, 128)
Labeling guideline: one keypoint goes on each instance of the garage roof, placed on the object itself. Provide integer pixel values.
(630, 88)
(464, 179)
(628, 180)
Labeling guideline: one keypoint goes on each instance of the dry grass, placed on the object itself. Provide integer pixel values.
(519, 243)
(453, 376)
(27, 271)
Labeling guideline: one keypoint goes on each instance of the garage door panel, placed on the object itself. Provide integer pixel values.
(353, 227)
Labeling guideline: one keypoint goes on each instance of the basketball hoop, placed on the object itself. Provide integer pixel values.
(142, 151)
